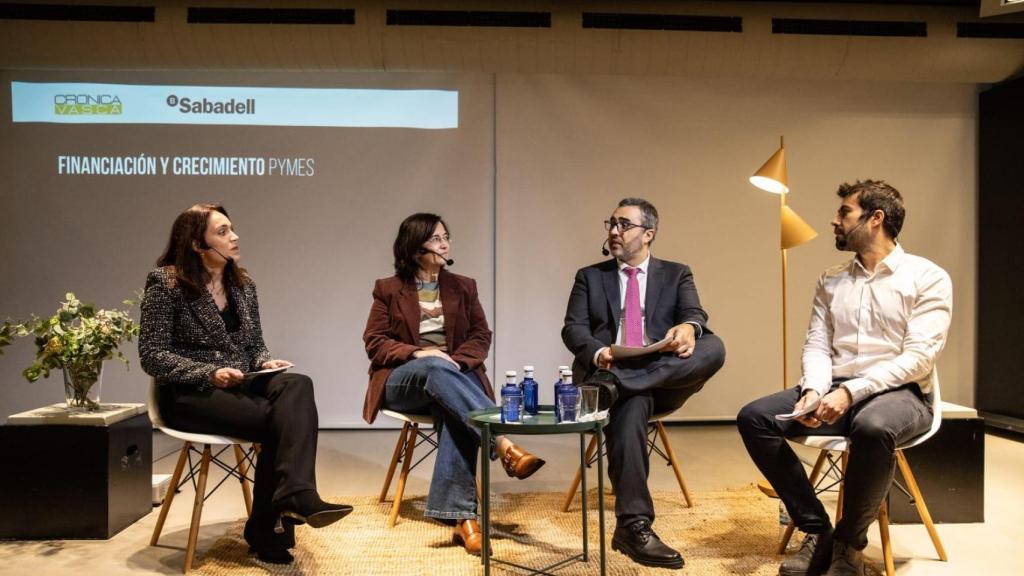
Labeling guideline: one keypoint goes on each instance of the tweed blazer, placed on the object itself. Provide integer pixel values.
(182, 339)
(393, 331)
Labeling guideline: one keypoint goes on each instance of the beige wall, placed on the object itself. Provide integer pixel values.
(569, 148)
(580, 119)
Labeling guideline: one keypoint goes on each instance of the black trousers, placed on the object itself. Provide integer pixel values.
(649, 386)
(875, 428)
(280, 413)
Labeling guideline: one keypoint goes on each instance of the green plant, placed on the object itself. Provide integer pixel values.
(78, 338)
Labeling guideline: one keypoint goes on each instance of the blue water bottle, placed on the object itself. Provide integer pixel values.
(568, 394)
(529, 386)
(558, 391)
(511, 399)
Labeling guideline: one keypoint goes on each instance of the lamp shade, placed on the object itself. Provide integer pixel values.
(795, 231)
(771, 177)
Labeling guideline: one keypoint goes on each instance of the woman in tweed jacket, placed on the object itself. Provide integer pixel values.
(200, 333)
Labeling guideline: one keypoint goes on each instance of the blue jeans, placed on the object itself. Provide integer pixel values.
(434, 386)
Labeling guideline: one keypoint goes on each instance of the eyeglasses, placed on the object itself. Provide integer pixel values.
(622, 224)
(435, 240)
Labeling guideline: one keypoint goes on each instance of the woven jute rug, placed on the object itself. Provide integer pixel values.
(727, 532)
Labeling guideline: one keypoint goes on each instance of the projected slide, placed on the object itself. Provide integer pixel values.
(316, 170)
(146, 104)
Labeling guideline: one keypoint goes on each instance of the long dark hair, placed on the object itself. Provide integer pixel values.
(189, 230)
(412, 234)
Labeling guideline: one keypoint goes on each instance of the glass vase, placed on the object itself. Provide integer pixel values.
(82, 384)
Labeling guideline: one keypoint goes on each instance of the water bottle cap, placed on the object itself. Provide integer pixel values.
(527, 368)
(561, 368)
(566, 372)
(510, 374)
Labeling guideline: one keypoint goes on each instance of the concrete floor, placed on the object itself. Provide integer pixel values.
(712, 457)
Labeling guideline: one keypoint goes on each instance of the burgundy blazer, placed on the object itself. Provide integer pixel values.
(393, 331)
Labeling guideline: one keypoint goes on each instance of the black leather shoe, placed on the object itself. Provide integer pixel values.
(813, 557)
(261, 534)
(642, 545)
(608, 388)
(273, 555)
(307, 508)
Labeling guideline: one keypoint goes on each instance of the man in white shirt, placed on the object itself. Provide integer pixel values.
(635, 299)
(877, 327)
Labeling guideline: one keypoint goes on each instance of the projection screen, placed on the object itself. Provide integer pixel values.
(315, 169)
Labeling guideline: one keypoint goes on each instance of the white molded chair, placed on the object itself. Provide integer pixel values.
(828, 444)
(655, 431)
(410, 437)
(198, 472)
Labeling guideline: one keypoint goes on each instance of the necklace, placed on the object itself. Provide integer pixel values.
(215, 291)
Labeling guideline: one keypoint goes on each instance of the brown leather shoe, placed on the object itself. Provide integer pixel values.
(467, 533)
(519, 463)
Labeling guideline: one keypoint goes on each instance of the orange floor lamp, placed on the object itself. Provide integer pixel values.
(771, 177)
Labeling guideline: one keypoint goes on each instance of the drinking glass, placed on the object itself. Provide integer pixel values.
(587, 409)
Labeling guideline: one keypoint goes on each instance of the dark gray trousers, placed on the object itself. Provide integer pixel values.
(875, 428)
(650, 385)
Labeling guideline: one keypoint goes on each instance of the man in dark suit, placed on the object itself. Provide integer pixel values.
(635, 300)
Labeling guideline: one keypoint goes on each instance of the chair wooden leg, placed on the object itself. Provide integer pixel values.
(166, 506)
(571, 493)
(410, 445)
(922, 508)
(197, 508)
(674, 462)
(842, 486)
(243, 470)
(883, 529)
(394, 462)
(815, 470)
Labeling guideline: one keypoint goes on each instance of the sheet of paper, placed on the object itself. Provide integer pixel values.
(619, 352)
(794, 415)
(250, 375)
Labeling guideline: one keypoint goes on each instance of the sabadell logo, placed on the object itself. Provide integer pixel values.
(187, 105)
(86, 104)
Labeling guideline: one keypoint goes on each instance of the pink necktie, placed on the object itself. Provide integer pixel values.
(633, 317)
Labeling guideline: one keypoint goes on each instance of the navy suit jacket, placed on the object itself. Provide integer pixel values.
(592, 316)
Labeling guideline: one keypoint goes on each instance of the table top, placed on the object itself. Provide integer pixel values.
(542, 423)
(58, 415)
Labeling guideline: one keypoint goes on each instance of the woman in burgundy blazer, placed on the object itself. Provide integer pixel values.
(427, 339)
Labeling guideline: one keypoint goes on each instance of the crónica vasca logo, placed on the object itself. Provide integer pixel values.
(86, 104)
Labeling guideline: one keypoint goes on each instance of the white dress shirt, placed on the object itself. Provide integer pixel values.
(641, 277)
(881, 330)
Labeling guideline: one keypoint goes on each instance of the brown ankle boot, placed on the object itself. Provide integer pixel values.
(467, 533)
(519, 463)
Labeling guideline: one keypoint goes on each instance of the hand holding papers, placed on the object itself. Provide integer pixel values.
(250, 376)
(808, 409)
(619, 352)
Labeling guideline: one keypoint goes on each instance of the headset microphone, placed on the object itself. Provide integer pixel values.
(447, 260)
(604, 250)
(205, 246)
(844, 240)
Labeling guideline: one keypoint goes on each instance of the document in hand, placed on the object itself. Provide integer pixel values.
(619, 352)
(794, 415)
(253, 375)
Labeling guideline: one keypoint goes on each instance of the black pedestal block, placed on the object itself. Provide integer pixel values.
(72, 482)
(950, 470)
